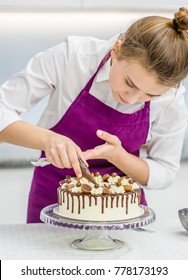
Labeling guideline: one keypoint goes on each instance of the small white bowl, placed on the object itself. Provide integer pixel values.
(183, 216)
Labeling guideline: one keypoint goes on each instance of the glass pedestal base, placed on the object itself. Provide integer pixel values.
(97, 237)
(97, 241)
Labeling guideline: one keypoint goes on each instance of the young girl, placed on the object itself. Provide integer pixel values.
(107, 99)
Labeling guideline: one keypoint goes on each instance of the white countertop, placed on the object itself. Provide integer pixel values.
(43, 241)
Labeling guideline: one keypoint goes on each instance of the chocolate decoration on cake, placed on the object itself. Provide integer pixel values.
(110, 198)
(127, 188)
(69, 187)
(86, 188)
(131, 181)
(105, 177)
(106, 190)
(85, 171)
(63, 182)
(96, 185)
(121, 179)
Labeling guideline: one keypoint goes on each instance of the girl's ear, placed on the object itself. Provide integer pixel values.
(116, 48)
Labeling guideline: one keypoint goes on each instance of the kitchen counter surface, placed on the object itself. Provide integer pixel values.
(169, 241)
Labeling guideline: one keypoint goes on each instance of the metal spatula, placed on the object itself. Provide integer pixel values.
(85, 171)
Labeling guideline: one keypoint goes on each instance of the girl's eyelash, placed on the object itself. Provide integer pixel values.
(129, 84)
(151, 96)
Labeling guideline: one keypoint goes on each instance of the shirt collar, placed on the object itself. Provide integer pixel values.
(103, 74)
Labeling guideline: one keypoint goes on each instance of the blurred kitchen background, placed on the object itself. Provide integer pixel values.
(28, 27)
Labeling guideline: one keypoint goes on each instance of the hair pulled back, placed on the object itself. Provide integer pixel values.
(160, 44)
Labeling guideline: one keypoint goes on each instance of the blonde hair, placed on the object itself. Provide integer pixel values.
(160, 44)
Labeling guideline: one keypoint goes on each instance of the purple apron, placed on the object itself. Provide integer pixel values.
(80, 123)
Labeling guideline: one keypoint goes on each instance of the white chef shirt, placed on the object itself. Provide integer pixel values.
(63, 70)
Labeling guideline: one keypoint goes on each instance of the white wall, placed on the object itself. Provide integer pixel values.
(95, 4)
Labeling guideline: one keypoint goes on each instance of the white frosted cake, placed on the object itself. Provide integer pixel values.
(112, 198)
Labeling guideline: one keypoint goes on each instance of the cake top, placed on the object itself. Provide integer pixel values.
(106, 184)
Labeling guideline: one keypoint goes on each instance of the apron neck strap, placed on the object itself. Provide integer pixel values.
(147, 104)
(90, 82)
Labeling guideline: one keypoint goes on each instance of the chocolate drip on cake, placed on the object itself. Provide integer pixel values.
(114, 200)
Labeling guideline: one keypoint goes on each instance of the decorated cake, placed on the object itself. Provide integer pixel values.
(109, 198)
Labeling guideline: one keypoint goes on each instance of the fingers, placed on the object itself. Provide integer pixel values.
(82, 156)
(73, 159)
(112, 139)
(62, 152)
(96, 153)
(107, 150)
(54, 158)
(65, 155)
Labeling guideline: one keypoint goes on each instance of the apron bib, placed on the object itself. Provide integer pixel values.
(80, 123)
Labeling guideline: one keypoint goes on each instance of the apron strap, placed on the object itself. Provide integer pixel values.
(90, 82)
(147, 104)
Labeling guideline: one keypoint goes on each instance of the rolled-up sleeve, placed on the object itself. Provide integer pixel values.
(165, 146)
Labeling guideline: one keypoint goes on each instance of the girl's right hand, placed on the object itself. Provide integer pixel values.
(62, 152)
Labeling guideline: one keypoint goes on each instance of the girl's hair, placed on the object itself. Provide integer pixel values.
(160, 44)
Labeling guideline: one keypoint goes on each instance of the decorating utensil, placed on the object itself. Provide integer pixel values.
(85, 171)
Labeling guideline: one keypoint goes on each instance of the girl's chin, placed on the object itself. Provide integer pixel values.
(121, 100)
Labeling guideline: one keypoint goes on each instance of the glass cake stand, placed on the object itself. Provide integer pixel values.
(97, 237)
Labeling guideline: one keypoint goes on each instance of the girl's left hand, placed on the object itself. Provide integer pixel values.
(109, 150)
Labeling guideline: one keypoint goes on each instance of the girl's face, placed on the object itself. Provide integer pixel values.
(131, 83)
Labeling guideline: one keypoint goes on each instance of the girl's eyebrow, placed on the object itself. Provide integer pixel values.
(131, 82)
